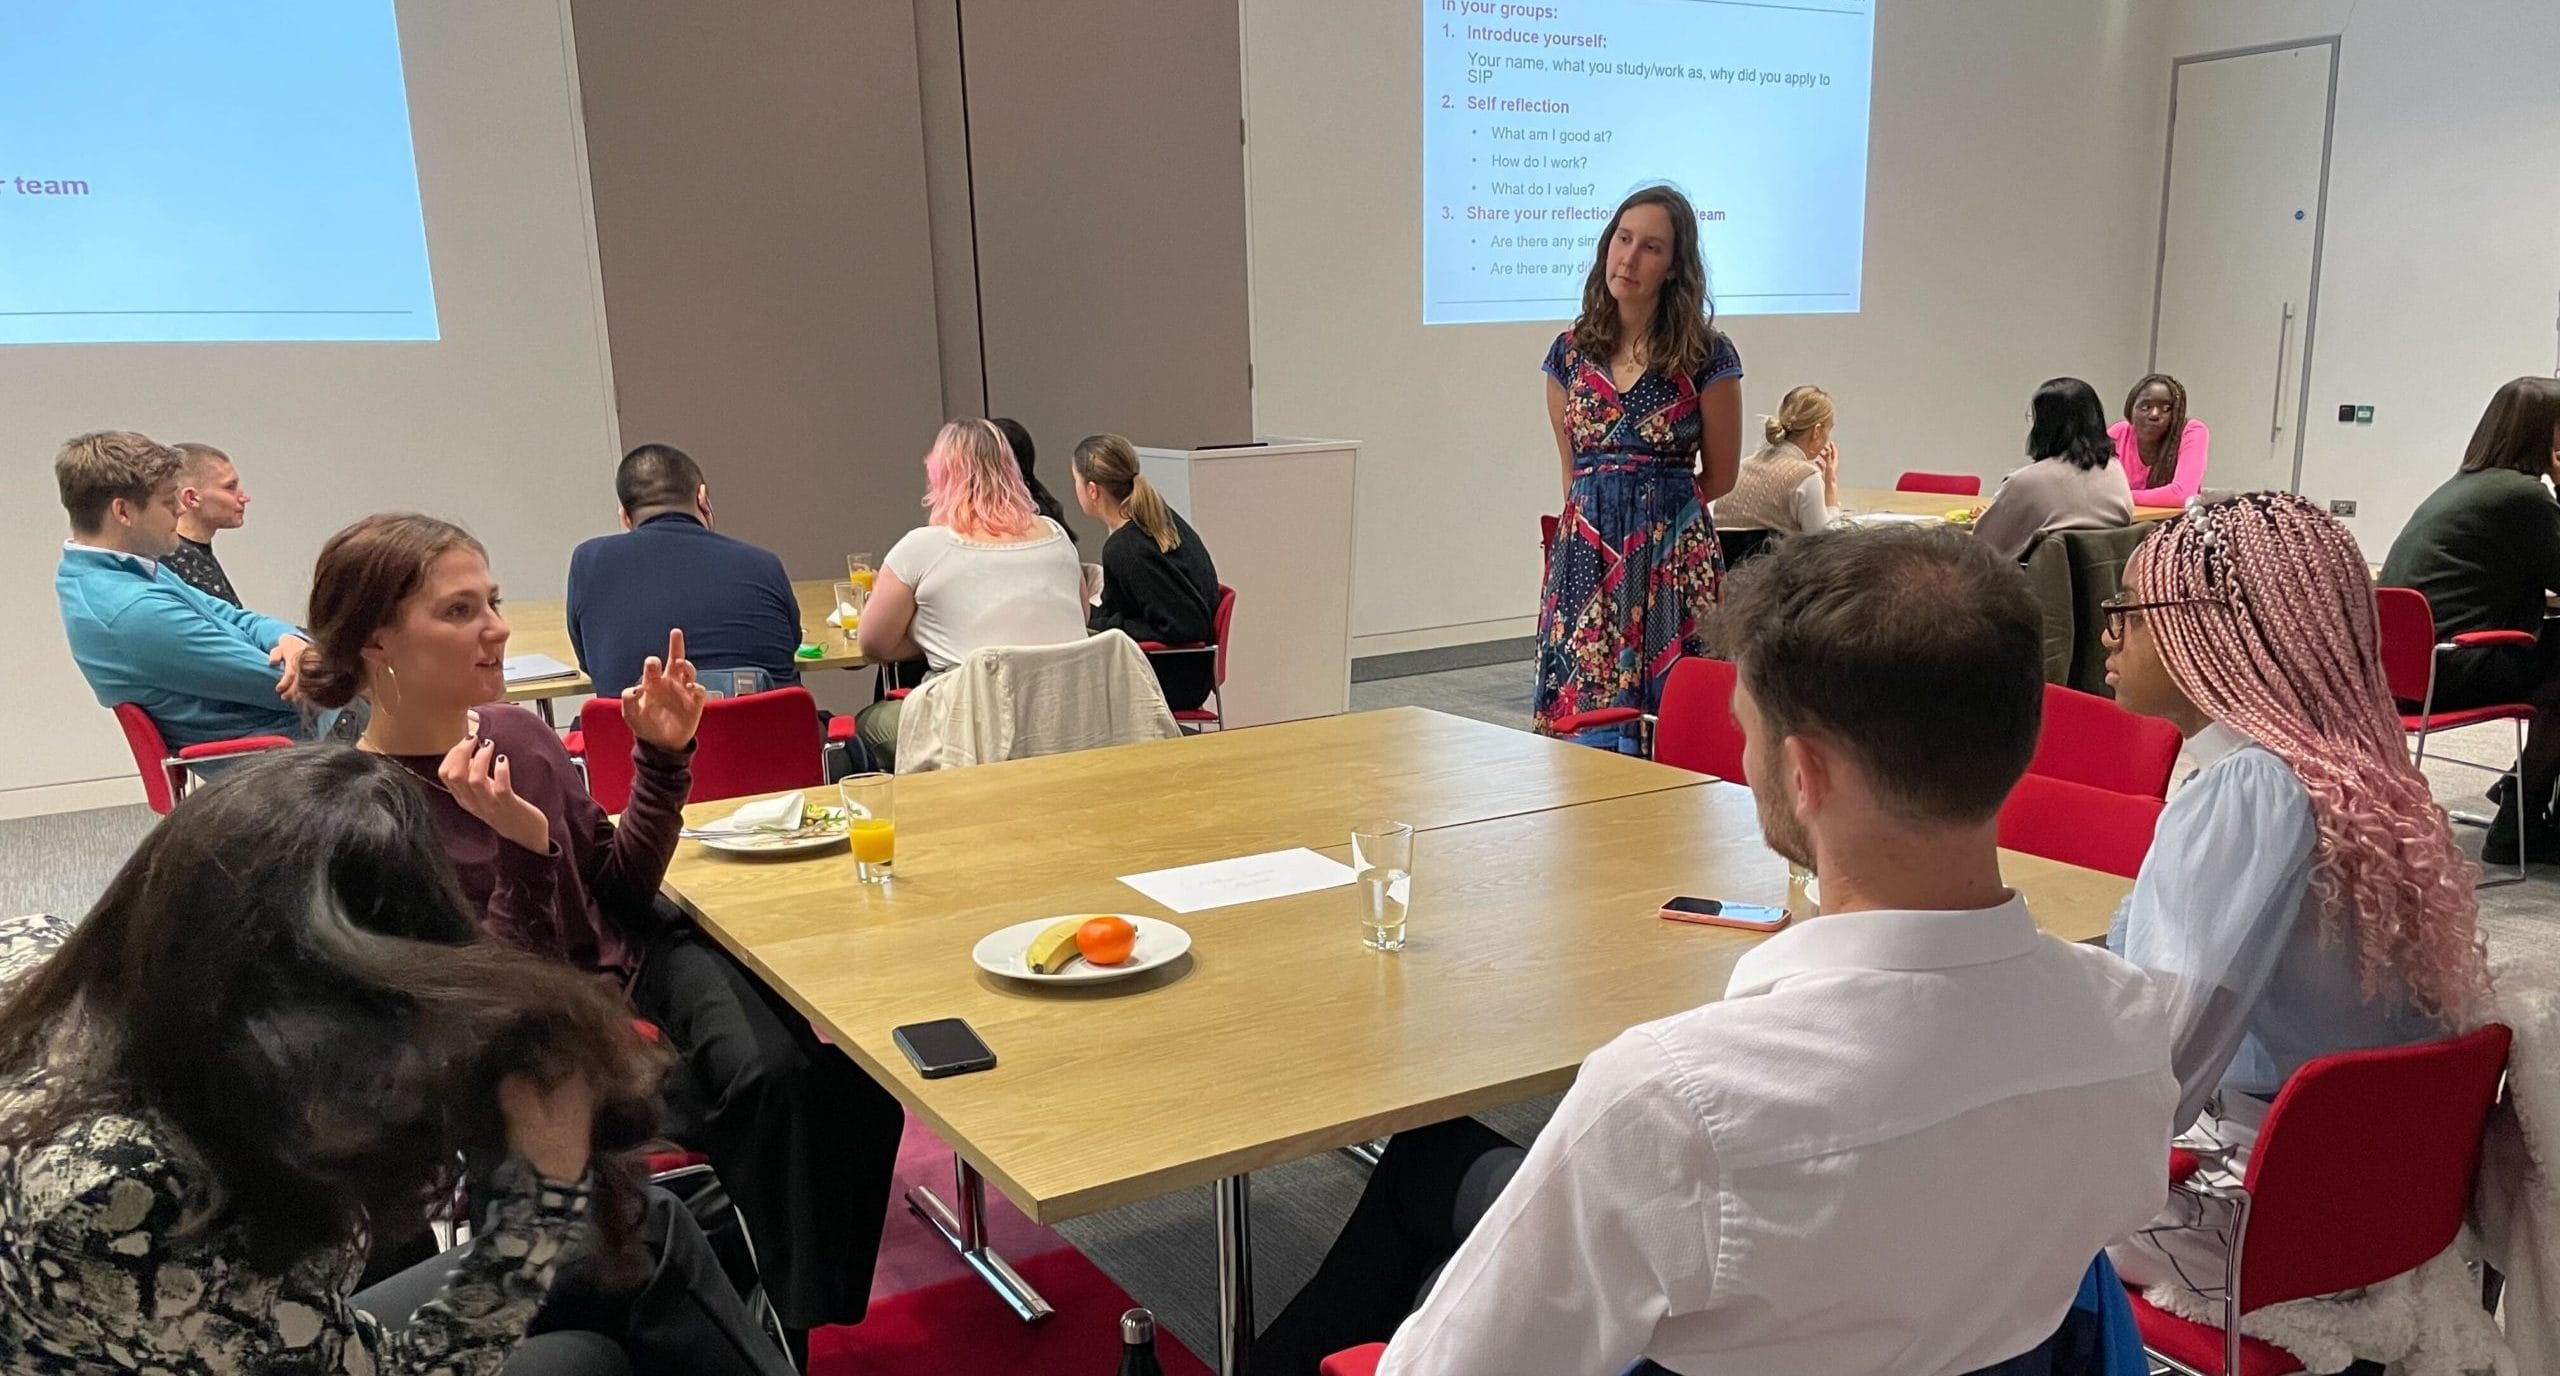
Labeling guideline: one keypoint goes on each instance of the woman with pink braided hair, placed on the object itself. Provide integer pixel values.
(2303, 894)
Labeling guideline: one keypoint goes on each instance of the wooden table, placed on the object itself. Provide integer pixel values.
(1885, 500)
(542, 628)
(1537, 875)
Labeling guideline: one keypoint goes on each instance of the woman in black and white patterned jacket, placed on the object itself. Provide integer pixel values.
(273, 1035)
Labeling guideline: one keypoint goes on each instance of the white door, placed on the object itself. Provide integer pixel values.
(2239, 251)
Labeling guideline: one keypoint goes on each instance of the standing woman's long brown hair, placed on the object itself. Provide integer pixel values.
(1111, 463)
(1683, 317)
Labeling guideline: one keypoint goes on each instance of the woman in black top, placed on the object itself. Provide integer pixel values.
(1157, 580)
(2485, 549)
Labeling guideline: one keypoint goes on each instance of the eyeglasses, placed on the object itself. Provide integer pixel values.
(2119, 609)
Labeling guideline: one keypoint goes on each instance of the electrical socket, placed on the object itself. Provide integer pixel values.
(2342, 507)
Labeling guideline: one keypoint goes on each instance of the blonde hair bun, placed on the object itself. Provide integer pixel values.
(1804, 408)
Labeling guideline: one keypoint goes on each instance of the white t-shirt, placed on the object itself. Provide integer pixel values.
(971, 594)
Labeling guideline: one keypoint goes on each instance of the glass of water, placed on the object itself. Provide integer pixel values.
(1382, 856)
(1804, 884)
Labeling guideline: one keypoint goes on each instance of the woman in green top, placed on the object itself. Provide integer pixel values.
(2485, 549)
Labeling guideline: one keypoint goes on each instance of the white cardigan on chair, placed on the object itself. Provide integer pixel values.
(1013, 702)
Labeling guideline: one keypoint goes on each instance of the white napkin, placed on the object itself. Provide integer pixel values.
(769, 814)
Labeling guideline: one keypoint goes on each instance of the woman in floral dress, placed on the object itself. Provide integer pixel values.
(1645, 395)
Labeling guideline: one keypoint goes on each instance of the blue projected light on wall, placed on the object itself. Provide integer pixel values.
(1539, 116)
(207, 170)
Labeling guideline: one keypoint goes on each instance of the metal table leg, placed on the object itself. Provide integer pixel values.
(966, 1232)
(1235, 1275)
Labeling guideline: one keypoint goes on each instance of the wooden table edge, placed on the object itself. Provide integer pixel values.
(1138, 1188)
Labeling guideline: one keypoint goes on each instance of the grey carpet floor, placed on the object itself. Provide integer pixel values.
(1162, 1251)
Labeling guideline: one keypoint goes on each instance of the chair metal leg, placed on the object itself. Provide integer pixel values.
(2473, 819)
(966, 1232)
(1235, 1274)
(1366, 1153)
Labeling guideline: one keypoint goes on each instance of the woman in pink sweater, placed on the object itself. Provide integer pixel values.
(2162, 451)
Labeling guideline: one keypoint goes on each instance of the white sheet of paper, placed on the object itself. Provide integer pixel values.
(534, 668)
(1897, 518)
(1245, 879)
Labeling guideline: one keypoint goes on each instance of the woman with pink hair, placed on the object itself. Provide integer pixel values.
(985, 569)
(2303, 895)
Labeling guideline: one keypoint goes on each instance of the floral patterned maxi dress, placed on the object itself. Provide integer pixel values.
(1635, 562)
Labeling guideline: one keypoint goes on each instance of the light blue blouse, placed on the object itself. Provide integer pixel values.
(2224, 913)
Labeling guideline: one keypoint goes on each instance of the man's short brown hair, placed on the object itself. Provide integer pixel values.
(93, 470)
(197, 460)
(1917, 650)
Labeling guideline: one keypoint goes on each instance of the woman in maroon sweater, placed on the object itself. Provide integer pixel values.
(404, 612)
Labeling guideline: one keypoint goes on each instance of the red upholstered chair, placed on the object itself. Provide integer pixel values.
(1215, 714)
(1953, 484)
(165, 775)
(760, 743)
(2363, 1170)
(2411, 655)
(1695, 728)
(1547, 528)
(2094, 828)
(2089, 740)
(1358, 1361)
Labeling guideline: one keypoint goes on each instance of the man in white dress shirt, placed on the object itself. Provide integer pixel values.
(1898, 1140)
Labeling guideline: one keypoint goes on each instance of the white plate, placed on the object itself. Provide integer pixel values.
(1159, 943)
(770, 843)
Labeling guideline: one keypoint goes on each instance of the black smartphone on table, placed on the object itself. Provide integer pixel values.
(945, 1046)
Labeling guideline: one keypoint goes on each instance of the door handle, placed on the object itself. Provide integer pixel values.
(2284, 347)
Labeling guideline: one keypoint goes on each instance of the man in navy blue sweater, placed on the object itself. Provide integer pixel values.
(670, 569)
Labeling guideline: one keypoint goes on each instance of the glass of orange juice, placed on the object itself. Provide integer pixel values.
(860, 570)
(874, 825)
(847, 613)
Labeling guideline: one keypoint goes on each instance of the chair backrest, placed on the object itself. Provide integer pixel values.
(150, 755)
(1744, 544)
(1695, 728)
(2048, 573)
(2094, 828)
(1953, 484)
(760, 743)
(1220, 622)
(2364, 1166)
(2408, 627)
(2089, 740)
(2097, 559)
(1547, 528)
(1010, 702)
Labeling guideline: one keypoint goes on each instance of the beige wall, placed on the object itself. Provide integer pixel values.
(499, 424)
(760, 216)
(2012, 211)
(2440, 262)
(1103, 159)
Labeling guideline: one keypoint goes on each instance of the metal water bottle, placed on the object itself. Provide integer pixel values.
(1138, 1344)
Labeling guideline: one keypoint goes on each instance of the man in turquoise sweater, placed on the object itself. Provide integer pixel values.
(204, 669)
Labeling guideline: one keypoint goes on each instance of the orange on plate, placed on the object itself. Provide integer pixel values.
(1106, 940)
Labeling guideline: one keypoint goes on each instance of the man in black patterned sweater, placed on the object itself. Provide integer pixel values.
(210, 499)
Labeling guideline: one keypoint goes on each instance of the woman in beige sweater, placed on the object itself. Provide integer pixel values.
(1793, 484)
(2071, 480)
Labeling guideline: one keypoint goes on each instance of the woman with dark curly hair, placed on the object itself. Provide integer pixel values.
(276, 1044)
